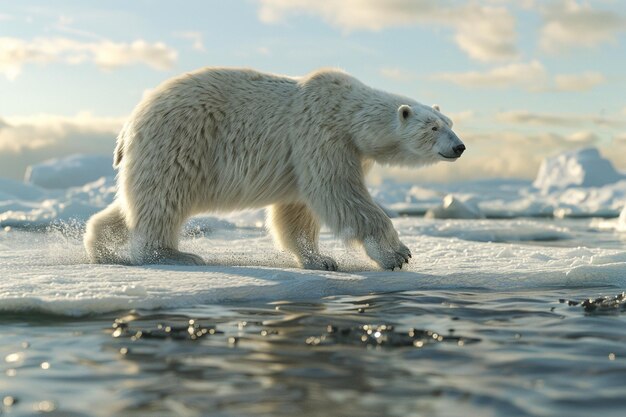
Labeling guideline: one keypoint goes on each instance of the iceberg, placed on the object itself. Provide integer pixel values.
(578, 168)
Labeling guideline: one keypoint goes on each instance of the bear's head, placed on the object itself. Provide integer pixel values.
(419, 135)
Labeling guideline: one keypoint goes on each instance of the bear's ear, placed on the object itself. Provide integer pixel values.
(436, 107)
(404, 112)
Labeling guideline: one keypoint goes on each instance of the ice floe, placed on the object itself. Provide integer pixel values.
(49, 273)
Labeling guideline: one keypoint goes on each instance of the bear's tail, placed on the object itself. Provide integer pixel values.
(106, 232)
(120, 145)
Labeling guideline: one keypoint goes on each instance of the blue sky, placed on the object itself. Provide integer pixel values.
(522, 79)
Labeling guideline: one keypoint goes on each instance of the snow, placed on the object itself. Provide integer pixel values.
(493, 234)
(49, 273)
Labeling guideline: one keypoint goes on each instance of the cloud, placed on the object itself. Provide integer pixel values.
(620, 139)
(584, 138)
(541, 142)
(28, 140)
(529, 76)
(15, 53)
(65, 23)
(484, 32)
(570, 24)
(196, 38)
(461, 116)
(561, 120)
(578, 82)
(397, 74)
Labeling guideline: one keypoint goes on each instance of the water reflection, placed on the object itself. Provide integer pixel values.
(395, 354)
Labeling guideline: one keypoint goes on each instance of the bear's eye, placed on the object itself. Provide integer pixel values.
(435, 128)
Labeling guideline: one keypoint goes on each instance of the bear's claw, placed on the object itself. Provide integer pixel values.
(397, 258)
(321, 262)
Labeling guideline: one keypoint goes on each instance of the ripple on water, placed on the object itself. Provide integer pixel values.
(394, 354)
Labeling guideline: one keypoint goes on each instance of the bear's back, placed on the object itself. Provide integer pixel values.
(231, 87)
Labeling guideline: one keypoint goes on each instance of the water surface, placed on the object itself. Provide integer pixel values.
(433, 353)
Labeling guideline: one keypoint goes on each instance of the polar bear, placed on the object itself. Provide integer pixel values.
(221, 139)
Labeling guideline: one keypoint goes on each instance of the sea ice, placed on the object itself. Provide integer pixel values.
(578, 168)
(453, 208)
(48, 272)
(70, 171)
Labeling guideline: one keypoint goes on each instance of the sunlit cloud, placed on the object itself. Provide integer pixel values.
(397, 74)
(528, 76)
(196, 39)
(531, 76)
(562, 120)
(35, 131)
(572, 24)
(578, 82)
(620, 138)
(31, 139)
(584, 138)
(15, 53)
(484, 32)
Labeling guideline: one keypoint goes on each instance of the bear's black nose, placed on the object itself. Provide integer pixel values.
(458, 150)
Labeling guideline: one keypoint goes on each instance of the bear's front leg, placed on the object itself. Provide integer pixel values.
(296, 229)
(365, 222)
(341, 200)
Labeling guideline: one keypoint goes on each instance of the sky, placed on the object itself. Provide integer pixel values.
(522, 80)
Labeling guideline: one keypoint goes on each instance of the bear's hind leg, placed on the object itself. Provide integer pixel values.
(296, 229)
(155, 237)
(106, 232)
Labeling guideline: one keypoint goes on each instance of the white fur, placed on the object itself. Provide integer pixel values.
(224, 139)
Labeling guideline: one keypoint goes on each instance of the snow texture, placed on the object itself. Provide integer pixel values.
(48, 273)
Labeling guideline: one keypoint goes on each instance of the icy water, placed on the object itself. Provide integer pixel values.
(436, 353)
(452, 348)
